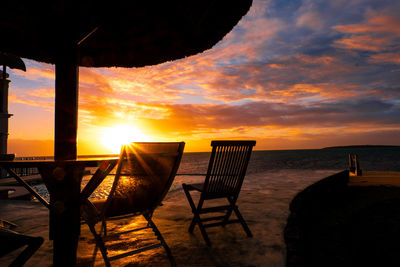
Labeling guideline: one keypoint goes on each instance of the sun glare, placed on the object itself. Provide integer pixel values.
(114, 137)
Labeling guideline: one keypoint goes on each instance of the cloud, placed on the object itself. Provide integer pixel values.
(263, 114)
(379, 31)
(37, 71)
(290, 70)
(311, 19)
(365, 42)
(42, 97)
(41, 93)
(392, 57)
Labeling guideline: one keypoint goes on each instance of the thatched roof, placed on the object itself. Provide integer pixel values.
(12, 61)
(124, 33)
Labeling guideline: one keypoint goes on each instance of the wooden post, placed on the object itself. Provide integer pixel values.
(66, 108)
(64, 195)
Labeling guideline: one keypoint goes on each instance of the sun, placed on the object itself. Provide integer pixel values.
(114, 137)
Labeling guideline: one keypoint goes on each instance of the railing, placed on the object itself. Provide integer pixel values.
(29, 171)
(34, 171)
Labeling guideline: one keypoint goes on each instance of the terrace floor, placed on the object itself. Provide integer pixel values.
(263, 202)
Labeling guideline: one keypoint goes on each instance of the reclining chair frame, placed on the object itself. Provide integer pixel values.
(92, 218)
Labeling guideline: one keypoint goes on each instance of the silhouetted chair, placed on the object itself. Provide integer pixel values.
(145, 172)
(224, 178)
(10, 241)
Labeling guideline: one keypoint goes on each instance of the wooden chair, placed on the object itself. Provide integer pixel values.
(224, 178)
(145, 172)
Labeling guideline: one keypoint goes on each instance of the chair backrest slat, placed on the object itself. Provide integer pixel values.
(227, 167)
(240, 156)
(144, 175)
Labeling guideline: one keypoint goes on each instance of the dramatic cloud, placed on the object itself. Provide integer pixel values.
(292, 74)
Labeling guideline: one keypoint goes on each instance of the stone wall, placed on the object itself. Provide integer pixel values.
(305, 206)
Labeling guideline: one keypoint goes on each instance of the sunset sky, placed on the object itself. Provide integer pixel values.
(291, 75)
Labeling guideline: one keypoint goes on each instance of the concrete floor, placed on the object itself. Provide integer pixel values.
(263, 202)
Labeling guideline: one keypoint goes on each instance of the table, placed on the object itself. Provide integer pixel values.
(63, 180)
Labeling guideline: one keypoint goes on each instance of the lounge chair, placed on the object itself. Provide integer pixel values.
(224, 178)
(11, 240)
(145, 172)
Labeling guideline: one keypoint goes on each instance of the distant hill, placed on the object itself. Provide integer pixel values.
(362, 146)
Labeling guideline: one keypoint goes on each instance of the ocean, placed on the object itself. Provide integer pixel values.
(301, 167)
(372, 158)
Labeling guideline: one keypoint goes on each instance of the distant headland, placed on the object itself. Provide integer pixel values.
(362, 146)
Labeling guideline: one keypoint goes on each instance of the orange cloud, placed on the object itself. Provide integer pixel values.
(385, 58)
(365, 42)
(36, 102)
(324, 60)
(41, 92)
(376, 23)
(35, 73)
(376, 34)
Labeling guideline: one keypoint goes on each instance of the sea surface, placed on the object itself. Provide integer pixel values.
(279, 165)
(375, 158)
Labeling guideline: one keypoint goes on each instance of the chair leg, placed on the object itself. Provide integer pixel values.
(233, 207)
(242, 221)
(160, 237)
(192, 206)
(204, 233)
(96, 248)
(100, 244)
(192, 225)
(103, 228)
(196, 216)
(197, 220)
(228, 212)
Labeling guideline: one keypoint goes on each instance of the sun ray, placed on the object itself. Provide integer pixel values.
(114, 137)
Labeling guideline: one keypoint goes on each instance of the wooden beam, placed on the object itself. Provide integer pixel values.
(64, 200)
(66, 104)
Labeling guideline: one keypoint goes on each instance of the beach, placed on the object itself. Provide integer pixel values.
(264, 203)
